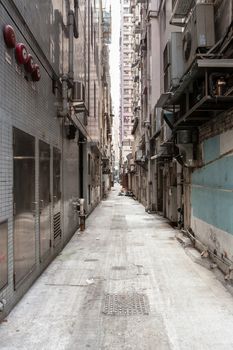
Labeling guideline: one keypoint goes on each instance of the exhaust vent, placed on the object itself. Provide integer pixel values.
(57, 227)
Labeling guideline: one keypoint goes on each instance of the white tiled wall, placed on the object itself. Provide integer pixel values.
(31, 108)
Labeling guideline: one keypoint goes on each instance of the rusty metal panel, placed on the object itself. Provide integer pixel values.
(24, 204)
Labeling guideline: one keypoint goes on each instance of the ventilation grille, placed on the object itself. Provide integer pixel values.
(57, 226)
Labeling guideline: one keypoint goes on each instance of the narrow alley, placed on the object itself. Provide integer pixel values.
(124, 283)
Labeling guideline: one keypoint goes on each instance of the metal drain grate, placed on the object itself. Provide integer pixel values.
(119, 268)
(91, 260)
(133, 304)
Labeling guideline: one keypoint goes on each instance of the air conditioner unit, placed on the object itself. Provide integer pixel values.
(78, 97)
(173, 61)
(78, 92)
(138, 155)
(199, 33)
(185, 141)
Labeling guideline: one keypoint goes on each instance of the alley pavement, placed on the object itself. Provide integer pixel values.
(125, 283)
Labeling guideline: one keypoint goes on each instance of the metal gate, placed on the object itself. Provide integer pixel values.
(24, 204)
(56, 195)
(44, 199)
(3, 254)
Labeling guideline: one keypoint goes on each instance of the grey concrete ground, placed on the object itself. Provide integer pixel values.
(125, 283)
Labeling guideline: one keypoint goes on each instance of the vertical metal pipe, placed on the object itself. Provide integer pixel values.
(89, 51)
(179, 186)
(64, 94)
(71, 44)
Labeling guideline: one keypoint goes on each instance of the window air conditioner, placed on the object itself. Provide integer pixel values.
(138, 155)
(199, 33)
(78, 96)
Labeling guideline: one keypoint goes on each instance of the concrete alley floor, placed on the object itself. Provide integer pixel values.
(125, 283)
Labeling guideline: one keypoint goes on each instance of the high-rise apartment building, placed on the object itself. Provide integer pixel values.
(126, 53)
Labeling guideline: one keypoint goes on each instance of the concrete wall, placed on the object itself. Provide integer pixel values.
(212, 189)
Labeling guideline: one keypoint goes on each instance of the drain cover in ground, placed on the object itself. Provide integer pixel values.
(125, 304)
(119, 268)
(91, 260)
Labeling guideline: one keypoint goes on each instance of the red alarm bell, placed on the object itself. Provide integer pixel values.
(9, 36)
(36, 73)
(21, 53)
(29, 65)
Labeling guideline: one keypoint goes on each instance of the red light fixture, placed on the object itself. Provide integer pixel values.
(9, 36)
(21, 53)
(29, 65)
(36, 73)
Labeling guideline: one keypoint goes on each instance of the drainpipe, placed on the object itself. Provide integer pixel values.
(71, 44)
(147, 141)
(89, 52)
(82, 215)
(64, 112)
(179, 190)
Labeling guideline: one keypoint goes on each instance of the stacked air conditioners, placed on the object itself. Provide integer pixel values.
(183, 47)
(180, 53)
(199, 33)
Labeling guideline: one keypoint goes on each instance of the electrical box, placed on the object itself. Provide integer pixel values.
(199, 33)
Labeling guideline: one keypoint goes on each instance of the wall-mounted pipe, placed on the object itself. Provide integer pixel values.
(64, 112)
(67, 79)
(82, 215)
(71, 44)
(76, 19)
